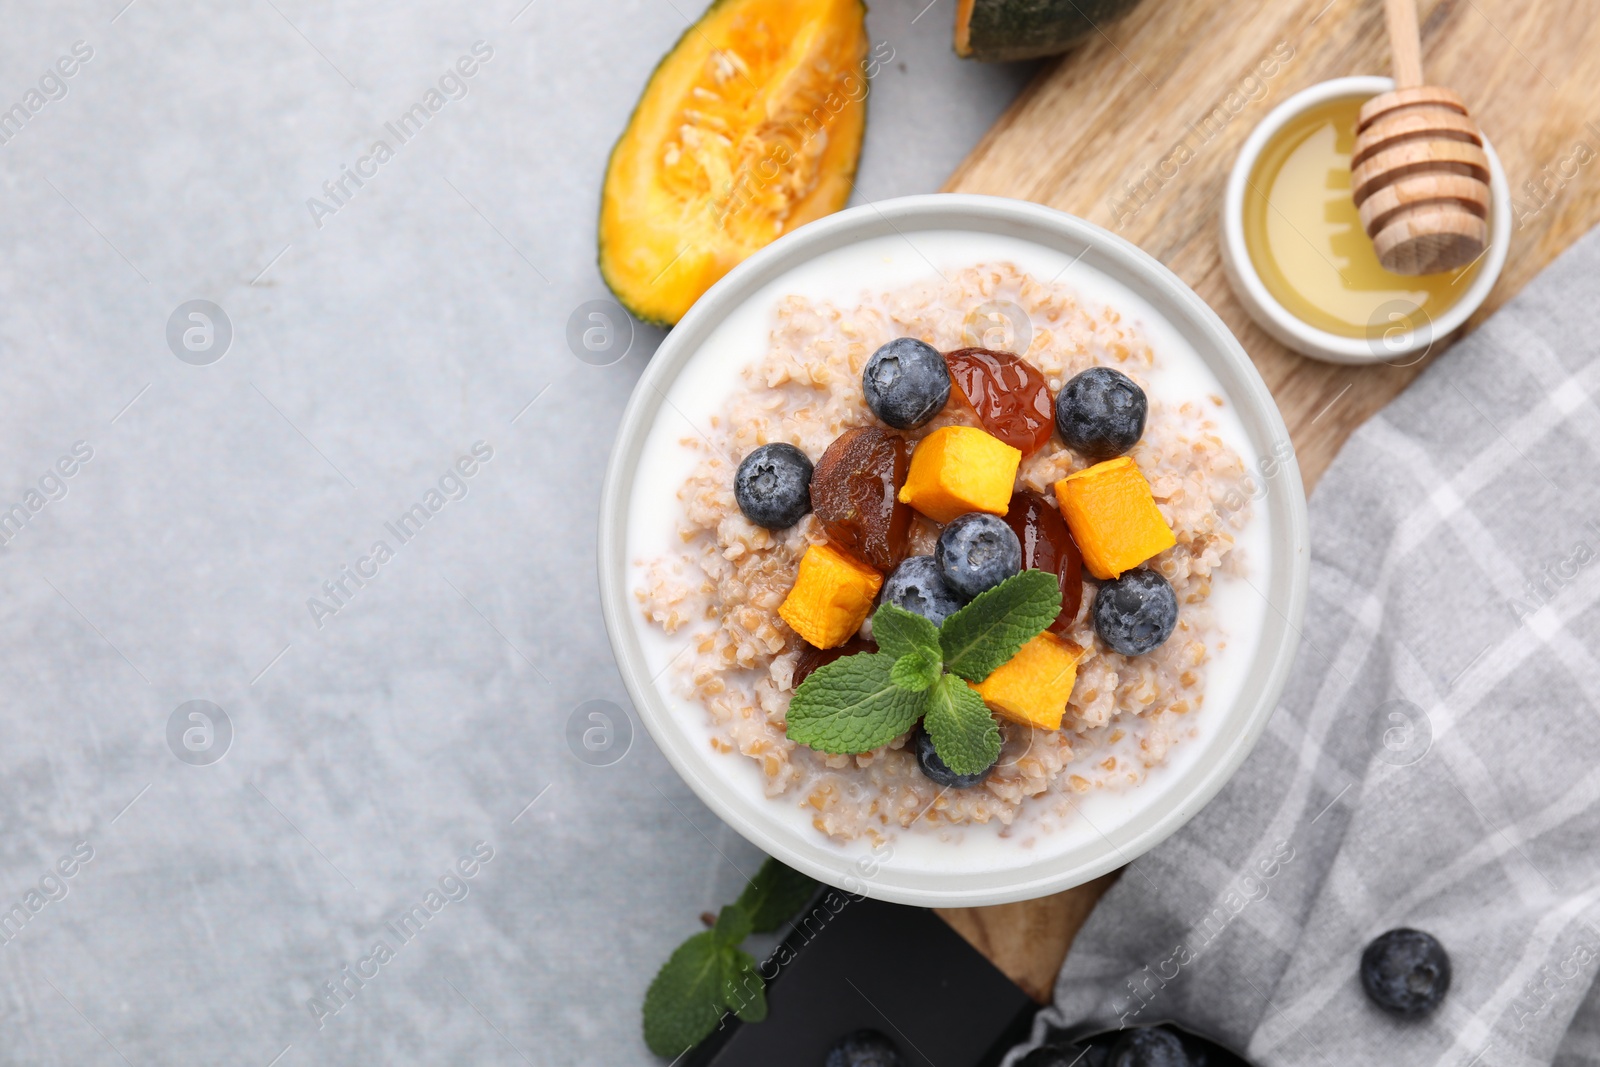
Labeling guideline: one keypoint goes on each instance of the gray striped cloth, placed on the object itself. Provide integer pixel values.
(1435, 760)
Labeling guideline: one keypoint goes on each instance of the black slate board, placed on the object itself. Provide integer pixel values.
(853, 964)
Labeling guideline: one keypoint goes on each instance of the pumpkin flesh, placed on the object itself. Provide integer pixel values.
(750, 127)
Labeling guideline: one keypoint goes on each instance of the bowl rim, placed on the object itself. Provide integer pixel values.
(1301, 336)
(1284, 496)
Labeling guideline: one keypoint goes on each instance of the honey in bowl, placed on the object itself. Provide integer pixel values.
(1305, 237)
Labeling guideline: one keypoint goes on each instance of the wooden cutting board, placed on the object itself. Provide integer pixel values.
(1136, 131)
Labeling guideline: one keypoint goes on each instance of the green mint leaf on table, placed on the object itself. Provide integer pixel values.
(733, 926)
(963, 731)
(774, 895)
(709, 974)
(901, 633)
(998, 621)
(852, 705)
(915, 671)
(685, 1001)
(743, 989)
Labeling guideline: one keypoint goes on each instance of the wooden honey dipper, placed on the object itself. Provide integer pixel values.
(1419, 174)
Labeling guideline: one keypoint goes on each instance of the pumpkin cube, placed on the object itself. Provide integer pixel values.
(1113, 517)
(958, 469)
(831, 597)
(1033, 686)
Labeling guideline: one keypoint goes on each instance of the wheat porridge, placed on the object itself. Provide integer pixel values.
(929, 584)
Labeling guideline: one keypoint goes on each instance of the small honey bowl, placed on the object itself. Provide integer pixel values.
(1299, 259)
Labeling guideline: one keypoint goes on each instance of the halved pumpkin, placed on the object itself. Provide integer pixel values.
(749, 127)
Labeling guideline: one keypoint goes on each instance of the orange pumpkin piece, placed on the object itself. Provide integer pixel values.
(959, 469)
(831, 597)
(1113, 517)
(1033, 686)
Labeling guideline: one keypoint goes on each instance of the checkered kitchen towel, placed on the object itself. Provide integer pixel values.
(1435, 760)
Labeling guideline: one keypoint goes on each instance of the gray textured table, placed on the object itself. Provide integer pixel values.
(186, 529)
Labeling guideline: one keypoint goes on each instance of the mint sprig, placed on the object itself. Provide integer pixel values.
(964, 734)
(853, 705)
(862, 702)
(774, 895)
(900, 632)
(686, 999)
(916, 671)
(709, 974)
(987, 632)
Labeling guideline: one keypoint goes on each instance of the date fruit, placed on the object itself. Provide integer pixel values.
(1007, 393)
(855, 495)
(1047, 545)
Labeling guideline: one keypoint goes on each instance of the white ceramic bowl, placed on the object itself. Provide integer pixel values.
(692, 375)
(1306, 339)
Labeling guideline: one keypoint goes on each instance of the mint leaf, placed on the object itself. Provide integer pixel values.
(964, 733)
(774, 895)
(900, 632)
(710, 974)
(915, 671)
(743, 988)
(852, 705)
(988, 631)
(686, 999)
(733, 925)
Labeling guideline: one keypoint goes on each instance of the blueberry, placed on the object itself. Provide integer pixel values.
(864, 1048)
(1406, 972)
(1100, 413)
(976, 552)
(773, 486)
(918, 586)
(938, 773)
(906, 382)
(1149, 1046)
(1136, 612)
